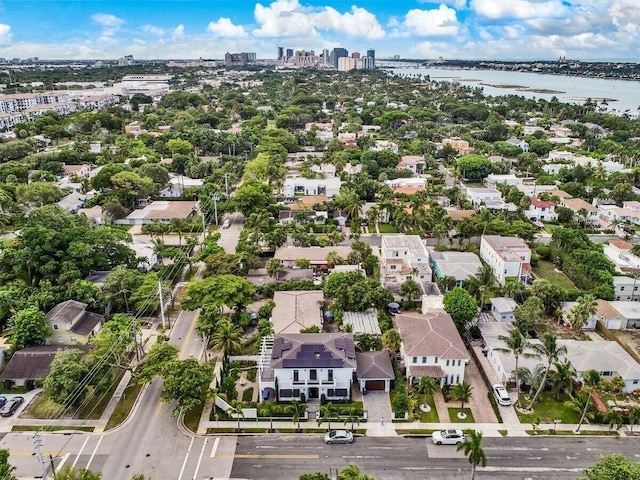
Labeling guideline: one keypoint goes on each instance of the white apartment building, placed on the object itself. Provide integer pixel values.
(294, 186)
(507, 257)
(626, 288)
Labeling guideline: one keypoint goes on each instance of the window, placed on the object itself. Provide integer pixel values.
(635, 382)
(313, 374)
(330, 375)
(606, 374)
(73, 339)
(392, 267)
(424, 359)
(296, 375)
(56, 327)
(459, 362)
(447, 363)
(458, 378)
(60, 339)
(622, 288)
(436, 360)
(414, 360)
(395, 253)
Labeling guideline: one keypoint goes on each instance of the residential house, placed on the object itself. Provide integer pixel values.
(415, 163)
(317, 256)
(311, 186)
(75, 201)
(415, 184)
(72, 324)
(297, 310)
(541, 211)
(178, 185)
(508, 257)
(31, 364)
(459, 265)
(458, 144)
(80, 170)
(629, 312)
(307, 366)
(306, 216)
(592, 321)
(493, 180)
(503, 309)
(162, 211)
(325, 170)
(374, 371)
(626, 288)
(620, 253)
(380, 145)
(481, 195)
(431, 347)
(404, 257)
(521, 144)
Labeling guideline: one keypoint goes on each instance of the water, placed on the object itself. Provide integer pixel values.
(622, 95)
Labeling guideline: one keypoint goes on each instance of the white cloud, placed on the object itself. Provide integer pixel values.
(226, 29)
(288, 18)
(106, 20)
(459, 4)
(520, 9)
(153, 30)
(625, 16)
(5, 34)
(178, 32)
(432, 23)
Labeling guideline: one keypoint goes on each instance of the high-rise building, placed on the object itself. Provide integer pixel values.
(355, 55)
(326, 57)
(371, 53)
(338, 53)
(289, 53)
(305, 58)
(280, 53)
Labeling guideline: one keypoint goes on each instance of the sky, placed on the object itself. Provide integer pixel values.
(452, 29)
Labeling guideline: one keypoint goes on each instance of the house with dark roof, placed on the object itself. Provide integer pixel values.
(72, 324)
(431, 347)
(374, 370)
(30, 364)
(307, 365)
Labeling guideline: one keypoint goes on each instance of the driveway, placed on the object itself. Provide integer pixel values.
(479, 404)
(6, 423)
(377, 405)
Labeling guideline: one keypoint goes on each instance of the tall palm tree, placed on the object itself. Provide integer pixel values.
(296, 409)
(391, 340)
(472, 448)
(352, 417)
(482, 281)
(563, 377)
(634, 417)
(549, 349)
(532, 376)
(327, 412)
(235, 407)
(515, 344)
(591, 380)
(427, 386)
(179, 225)
(462, 391)
(269, 408)
(227, 338)
(614, 419)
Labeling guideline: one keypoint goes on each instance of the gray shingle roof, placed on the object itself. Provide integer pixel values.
(374, 366)
(31, 363)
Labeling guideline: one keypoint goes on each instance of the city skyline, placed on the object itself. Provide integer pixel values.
(464, 29)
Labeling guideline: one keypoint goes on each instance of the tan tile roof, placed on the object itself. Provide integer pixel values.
(621, 244)
(297, 310)
(432, 334)
(606, 310)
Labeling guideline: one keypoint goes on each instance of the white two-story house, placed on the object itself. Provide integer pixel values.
(507, 257)
(404, 257)
(431, 347)
(541, 211)
(307, 366)
(294, 186)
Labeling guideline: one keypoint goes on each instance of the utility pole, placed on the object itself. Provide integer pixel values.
(161, 302)
(204, 224)
(53, 466)
(37, 443)
(215, 206)
(226, 182)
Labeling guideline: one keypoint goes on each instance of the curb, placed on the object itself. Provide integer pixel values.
(132, 412)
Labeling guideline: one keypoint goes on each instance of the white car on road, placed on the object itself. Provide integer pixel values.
(448, 437)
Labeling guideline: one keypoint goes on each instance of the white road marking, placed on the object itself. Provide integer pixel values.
(94, 452)
(186, 457)
(63, 461)
(215, 447)
(80, 452)
(195, 474)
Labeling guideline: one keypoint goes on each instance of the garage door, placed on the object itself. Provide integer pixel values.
(375, 385)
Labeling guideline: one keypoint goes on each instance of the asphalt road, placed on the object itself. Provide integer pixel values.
(278, 458)
(229, 236)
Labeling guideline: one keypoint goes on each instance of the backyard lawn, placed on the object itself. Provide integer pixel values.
(546, 270)
(549, 409)
(387, 228)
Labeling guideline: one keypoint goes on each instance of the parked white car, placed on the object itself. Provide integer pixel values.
(338, 436)
(501, 394)
(448, 437)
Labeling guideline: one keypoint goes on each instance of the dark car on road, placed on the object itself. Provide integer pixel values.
(11, 406)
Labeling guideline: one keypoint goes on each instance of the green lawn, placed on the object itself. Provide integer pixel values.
(545, 269)
(453, 415)
(548, 409)
(192, 417)
(387, 228)
(124, 405)
(432, 416)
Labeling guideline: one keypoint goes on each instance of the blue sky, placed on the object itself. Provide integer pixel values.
(468, 29)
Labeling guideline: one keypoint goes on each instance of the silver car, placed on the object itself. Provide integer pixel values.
(338, 436)
(448, 437)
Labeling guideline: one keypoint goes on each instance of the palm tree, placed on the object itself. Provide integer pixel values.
(427, 386)
(352, 417)
(227, 337)
(179, 225)
(373, 216)
(587, 307)
(410, 289)
(472, 448)
(515, 344)
(269, 408)
(634, 417)
(482, 281)
(334, 259)
(327, 412)
(296, 409)
(274, 268)
(591, 380)
(461, 391)
(391, 340)
(235, 408)
(353, 472)
(547, 348)
(614, 419)
(563, 377)
(532, 376)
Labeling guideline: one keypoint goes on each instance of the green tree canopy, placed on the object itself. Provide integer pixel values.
(229, 290)
(613, 467)
(63, 384)
(28, 327)
(461, 306)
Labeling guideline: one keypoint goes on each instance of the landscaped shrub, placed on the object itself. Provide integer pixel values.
(247, 395)
(400, 403)
(251, 374)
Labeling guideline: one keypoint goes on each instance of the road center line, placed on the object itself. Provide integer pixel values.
(159, 409)
(195, 474)
(94, 452)
(80, 452)
(215, 447)
(186, 457)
